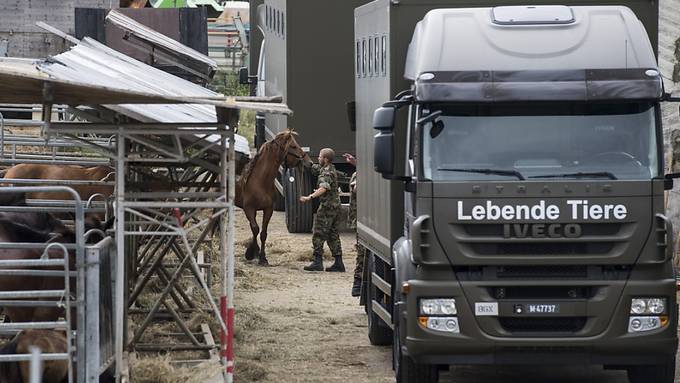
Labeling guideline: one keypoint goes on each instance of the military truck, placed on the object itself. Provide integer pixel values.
(302, 51)
(512, 208)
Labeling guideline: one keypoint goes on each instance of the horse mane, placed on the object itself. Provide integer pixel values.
(248, 169)
(251, 164)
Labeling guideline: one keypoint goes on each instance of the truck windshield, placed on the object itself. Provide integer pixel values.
(542, 141)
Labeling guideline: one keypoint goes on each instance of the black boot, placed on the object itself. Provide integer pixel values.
(316, 265)
(338, 266)
(356, 286)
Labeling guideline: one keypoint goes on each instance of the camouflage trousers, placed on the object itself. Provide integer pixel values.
(361, 255)
(325, 229)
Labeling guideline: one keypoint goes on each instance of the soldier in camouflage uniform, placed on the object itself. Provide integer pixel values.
(328, 215)
(352, 223)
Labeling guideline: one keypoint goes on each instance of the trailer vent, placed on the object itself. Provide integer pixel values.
(532, 15)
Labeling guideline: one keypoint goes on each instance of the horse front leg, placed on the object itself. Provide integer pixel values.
(252, 249)
(266, 216)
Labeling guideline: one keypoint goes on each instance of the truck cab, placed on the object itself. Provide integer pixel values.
(529, 152)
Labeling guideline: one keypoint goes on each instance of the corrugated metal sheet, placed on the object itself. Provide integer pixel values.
(158, 39)
(91, 73)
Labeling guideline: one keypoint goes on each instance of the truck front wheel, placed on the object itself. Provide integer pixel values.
(661, 373)
(408, 371)
(378, 332)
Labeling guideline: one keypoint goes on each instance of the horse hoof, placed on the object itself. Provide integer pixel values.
(250, 254)
(263, 262)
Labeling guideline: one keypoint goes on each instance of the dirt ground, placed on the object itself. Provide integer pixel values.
(296, 326)
(300, 326)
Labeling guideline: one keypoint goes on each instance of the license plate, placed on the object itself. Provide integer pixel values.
(543, 308)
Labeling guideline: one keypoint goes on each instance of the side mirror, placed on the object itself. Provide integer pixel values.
(352, 115)
(383, 153)
(668, 180)
(383, 118)
(243, 77)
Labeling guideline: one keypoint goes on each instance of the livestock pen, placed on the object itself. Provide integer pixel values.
(174, 150)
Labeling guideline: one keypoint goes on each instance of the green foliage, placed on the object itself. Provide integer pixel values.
(227, 83)
(246, 125)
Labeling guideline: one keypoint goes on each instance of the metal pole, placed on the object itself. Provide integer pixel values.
(35, 365)
(223, 258)
(92, 319)
(120, 253)
(231, 259)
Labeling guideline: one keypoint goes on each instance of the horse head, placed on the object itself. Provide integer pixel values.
(291, 153)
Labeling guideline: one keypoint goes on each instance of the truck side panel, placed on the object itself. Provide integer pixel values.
(276, 65)
(309, 46)
(320, 74)
(379, 200)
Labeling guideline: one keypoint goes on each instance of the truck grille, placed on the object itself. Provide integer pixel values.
(542, 272)
(549, 325)
(595, 239)
(556, 248)
(588, 229)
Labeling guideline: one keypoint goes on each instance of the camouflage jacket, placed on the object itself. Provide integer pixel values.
(328, 180)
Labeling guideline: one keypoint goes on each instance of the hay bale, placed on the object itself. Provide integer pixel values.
(249, 371)
(159, 369)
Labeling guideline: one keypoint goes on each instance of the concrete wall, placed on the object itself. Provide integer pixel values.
(25, 39)
(669, 62)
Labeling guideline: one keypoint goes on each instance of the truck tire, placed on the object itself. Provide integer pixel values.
(299, 216)
(279, 199)
(661, 373)
(378, 332)
(408, 371)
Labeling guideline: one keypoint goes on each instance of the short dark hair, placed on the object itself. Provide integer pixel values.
(327, 153)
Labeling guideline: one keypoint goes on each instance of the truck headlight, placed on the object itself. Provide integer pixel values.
(647, 306)
(438, 306)
(442, 324)
(648, 323)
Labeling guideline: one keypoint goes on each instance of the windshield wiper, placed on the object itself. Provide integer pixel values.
(500, 172)
(578, 175)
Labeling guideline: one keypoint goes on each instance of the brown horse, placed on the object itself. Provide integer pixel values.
(255, 189)
(49, 342)
(72, 173)
(33, 227)
(65, 172)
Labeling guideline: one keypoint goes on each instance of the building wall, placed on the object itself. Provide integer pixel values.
(25, 39)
